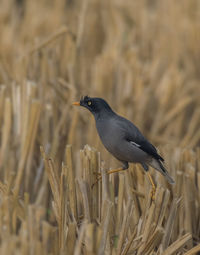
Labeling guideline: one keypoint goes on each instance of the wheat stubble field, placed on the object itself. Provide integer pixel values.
(143, 58)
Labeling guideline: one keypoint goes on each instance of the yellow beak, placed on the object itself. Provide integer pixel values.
(76, 103)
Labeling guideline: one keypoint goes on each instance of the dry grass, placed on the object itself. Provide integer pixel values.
(143, 57)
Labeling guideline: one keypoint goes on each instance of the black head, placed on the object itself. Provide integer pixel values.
(95, 105)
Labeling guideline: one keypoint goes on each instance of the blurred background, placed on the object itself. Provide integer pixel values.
(142, 56)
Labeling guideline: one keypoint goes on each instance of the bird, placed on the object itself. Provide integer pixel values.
(123, 139)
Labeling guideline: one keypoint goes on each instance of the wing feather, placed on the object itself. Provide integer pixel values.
(133, 135)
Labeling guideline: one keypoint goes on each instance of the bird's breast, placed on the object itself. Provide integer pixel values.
(107, 133)
(113, 138)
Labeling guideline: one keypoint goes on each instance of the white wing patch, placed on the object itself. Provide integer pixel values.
(137, 145)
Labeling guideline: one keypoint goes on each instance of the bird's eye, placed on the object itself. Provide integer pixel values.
(89, 103)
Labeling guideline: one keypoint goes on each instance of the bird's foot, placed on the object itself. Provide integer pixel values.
(153, 192)
(98, 178)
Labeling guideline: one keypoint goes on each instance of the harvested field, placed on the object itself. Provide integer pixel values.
(143, 57)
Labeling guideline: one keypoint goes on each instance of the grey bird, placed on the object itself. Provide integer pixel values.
(122, 138)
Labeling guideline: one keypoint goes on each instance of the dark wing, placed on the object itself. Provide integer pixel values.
(133, 134)
(150, 149)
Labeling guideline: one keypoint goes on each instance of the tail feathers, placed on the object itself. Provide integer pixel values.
(158, 166)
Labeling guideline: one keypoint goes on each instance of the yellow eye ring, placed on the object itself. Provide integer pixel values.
(89, 103)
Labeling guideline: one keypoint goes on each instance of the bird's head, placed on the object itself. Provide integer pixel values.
(95, 105)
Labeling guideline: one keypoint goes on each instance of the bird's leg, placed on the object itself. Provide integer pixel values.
(125, 166)
(116, 170)
(99, 178)
(153, 186)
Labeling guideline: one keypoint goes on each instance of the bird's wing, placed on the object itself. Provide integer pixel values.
(133, 135)
(150, 149)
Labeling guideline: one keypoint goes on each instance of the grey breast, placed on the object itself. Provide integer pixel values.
(113, 137)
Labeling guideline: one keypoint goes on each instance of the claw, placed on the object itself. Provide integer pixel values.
(97, 180)
(153, 191)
